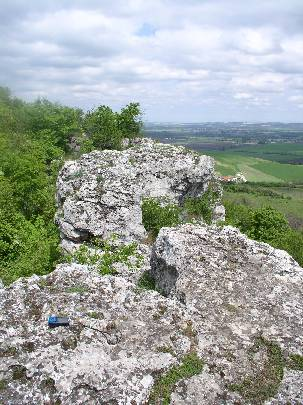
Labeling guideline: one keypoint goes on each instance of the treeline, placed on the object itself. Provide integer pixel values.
(35, 139)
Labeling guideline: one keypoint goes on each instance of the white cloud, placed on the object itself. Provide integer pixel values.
(205, 60)
(243, 96)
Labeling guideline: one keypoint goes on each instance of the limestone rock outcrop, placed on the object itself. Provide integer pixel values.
(216, 318)
(233, 302)
(110, 353)
(100, 194)
(245, 299)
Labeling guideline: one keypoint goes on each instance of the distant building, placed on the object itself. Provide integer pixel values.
(238, 178)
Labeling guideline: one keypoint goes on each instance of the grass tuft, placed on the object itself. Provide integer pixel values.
(190, 365)
(265, 383)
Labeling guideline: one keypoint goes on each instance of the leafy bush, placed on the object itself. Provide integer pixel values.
(34, 140)
(107, 128)
(129, 121)
(26, 248)
(102, 127)
(155, 216)
(202, 207)
(266, 225)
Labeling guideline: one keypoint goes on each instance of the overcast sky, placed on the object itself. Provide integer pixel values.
(186, 61)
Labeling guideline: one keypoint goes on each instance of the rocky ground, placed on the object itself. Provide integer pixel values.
(222, 323)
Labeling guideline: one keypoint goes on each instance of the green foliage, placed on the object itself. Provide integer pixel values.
(129, 121)
(146, 282)
(155, 216)
(105, 254)
(103, 129)
(26, 247)
(107, 128)
(52, 122)
(295, 362)
(263, 384)
(201, 207)
(190, 365)
(266, 225)
(34, 140)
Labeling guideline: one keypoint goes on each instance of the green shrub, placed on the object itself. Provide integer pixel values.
(266, 225)
(107, 128)
(26, 248)
(201, 207)
(104, 254)
(155, 216)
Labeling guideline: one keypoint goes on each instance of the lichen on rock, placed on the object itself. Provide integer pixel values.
(101, 193)
(210, 317)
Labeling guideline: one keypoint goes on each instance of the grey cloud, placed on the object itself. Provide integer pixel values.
(196, 60)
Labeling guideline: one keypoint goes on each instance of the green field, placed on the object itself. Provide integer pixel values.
(256, 169)
(278, 152)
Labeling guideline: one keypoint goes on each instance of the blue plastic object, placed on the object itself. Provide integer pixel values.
(54, 321)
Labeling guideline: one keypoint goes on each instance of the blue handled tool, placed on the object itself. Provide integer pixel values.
(54, 321)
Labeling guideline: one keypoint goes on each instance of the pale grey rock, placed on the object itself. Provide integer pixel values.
(189, 392)
(218, 213)
(290, 391)
(101, 193)
(239, 293)
(111, 352)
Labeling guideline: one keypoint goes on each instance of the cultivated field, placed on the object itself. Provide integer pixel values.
(256, 169)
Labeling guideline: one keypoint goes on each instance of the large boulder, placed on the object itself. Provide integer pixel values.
(246, 304)
(100, 194)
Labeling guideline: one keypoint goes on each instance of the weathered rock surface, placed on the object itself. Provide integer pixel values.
(111, 352)
(246, 303)
(101, 193)
(235, 302)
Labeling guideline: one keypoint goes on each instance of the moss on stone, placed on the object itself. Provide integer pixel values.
(190, 365)
(3, 384)
(264, 383)
(166, 349)
(295, 362)
(19, 373)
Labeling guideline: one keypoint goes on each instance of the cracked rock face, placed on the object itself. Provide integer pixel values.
(114, 347)
(101, 193)
(245, 299)
(234, 302)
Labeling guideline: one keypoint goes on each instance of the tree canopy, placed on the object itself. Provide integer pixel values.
(34, 142)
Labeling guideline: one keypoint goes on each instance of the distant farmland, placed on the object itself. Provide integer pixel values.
(256, 169)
